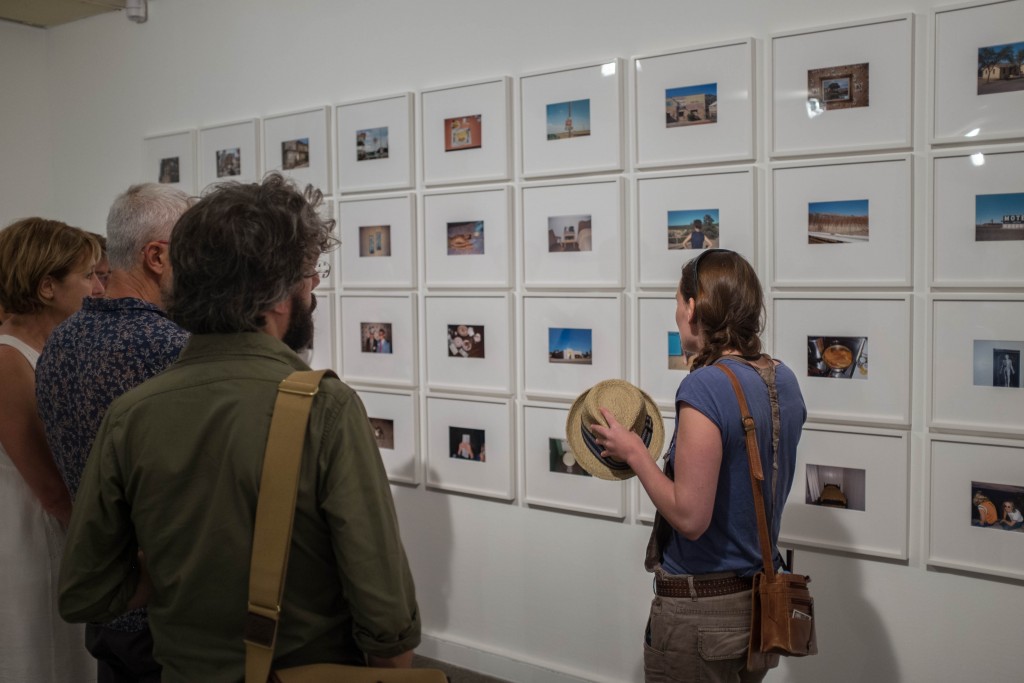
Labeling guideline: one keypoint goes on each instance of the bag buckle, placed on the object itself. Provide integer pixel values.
(261, 626)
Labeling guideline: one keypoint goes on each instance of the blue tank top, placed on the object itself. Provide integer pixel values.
(730, 542)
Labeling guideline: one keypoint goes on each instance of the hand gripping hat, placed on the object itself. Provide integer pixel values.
(633, 409)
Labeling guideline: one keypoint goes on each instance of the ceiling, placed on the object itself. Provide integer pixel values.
(46, 13)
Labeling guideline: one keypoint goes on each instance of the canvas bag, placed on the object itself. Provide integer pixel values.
(272, 535)
(782, 609)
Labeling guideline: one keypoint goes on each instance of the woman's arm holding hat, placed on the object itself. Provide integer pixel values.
(687, 502)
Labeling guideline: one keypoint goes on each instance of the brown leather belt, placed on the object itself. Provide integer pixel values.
(680, 586)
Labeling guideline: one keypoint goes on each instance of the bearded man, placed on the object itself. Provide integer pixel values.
(176, 466)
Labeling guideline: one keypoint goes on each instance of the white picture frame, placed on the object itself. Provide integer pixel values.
(322, 353)
(644, 509)
(378, 242)
(722, 130)
(328, 259)
(859, 216)
(469, 343)
(597, 90)
(543, 319)
(466, 132)
(955, 466)
(656, 323)
(170, 159)
(362, 314)
(971, 186)
(879, 397)
(875, 521)
(589, 253)
(387, 159)
(553, 478)
(868, 106)
(306, 163)
(961, 111)
(450, 260)
(491, 478)
(230, 152)
(400, 452)
(967, 334)
(728, 194)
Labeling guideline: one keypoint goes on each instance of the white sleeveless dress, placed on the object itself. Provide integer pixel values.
(36, 645)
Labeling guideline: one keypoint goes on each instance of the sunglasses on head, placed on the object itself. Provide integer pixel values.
(696, 263)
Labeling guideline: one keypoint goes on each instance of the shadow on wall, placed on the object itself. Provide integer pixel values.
(424, 518)
(854, 644)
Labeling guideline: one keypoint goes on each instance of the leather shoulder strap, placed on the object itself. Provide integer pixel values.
(756, 472)
(275, 513)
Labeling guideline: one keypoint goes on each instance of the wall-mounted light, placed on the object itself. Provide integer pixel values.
(137, 10)
(814, 107)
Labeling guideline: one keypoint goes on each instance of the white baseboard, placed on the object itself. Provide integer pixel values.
(504, 666)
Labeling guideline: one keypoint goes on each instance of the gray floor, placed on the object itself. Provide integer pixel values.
(454, 673)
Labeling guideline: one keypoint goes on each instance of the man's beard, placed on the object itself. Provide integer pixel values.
(299, 335)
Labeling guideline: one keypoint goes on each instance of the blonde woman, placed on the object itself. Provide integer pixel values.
(46, 269)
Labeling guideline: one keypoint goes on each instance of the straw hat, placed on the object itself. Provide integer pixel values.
(631, 407)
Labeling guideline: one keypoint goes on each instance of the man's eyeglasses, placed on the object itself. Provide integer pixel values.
(322, 269)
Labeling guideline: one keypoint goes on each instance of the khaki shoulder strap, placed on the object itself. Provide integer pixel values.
(275, 512)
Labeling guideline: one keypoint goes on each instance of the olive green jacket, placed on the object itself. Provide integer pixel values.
(175, 470)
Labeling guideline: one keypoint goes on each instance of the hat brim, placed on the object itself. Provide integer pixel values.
(588, 461)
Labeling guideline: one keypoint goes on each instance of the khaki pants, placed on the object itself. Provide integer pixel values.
(699, 641)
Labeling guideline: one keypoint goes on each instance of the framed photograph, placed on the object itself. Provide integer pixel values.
(322, 352)
(170, 159)
(850, 491)
(827, 342)
(844, 88)
(976, 497)
(394, 419)
(845, 223)
(573, 235)
(375, 144)
(978, 219)
(553, 477)
(378, 241)
(695, 106)
(978, 85)
(470, 446)
(466, 132)
(467, 238)
(230, 152)
(469, 343)
(571, 120)
(682, 214)
(378, 339)
(663, 361)
(571, 343)
(298, 144)
(976, 364)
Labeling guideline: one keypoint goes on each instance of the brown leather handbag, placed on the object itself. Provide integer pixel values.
(782, 609)
(275, 513)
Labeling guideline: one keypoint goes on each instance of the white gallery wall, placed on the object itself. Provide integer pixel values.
(25, 183)
(521, 592)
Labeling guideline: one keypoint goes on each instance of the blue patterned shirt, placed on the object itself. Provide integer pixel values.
(99, 353)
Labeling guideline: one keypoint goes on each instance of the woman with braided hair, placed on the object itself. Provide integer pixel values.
(704, 548)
